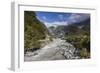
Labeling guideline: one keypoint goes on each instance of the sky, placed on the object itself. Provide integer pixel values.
(59, 18)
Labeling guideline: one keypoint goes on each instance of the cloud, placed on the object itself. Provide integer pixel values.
(76, 17)
(56, 23)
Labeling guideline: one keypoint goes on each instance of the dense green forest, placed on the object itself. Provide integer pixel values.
(79, 36)
(34, 30)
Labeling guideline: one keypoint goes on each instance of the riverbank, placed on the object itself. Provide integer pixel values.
(56, 50)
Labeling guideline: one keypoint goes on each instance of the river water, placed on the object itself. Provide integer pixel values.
(58, 49)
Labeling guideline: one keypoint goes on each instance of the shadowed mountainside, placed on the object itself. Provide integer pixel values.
(70, 41)
(34, 30)
(78, 34)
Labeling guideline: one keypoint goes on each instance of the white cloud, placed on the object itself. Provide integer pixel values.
(75, 16)
(56, 23)
(78, 17)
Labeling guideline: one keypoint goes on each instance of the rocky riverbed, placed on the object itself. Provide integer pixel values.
(56, 50)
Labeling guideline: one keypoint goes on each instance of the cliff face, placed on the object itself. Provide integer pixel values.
(34, 30)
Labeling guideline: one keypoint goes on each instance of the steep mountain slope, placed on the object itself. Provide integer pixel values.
(71, 29)
(78, 34)
(34, 30)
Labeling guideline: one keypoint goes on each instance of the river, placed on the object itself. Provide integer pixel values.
(58, 49)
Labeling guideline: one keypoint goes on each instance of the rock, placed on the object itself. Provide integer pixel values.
(56, 50)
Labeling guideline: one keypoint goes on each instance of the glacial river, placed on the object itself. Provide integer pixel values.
(56, 50)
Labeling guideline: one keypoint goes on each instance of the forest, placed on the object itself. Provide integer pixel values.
(70, 41)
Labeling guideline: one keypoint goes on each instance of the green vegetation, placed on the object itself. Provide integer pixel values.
(80, 38)
(34, 31)
(36, 35)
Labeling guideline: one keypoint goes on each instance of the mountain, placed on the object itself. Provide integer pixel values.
(34, 31)
(85, 22)
(74, 28)
(84, 25)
